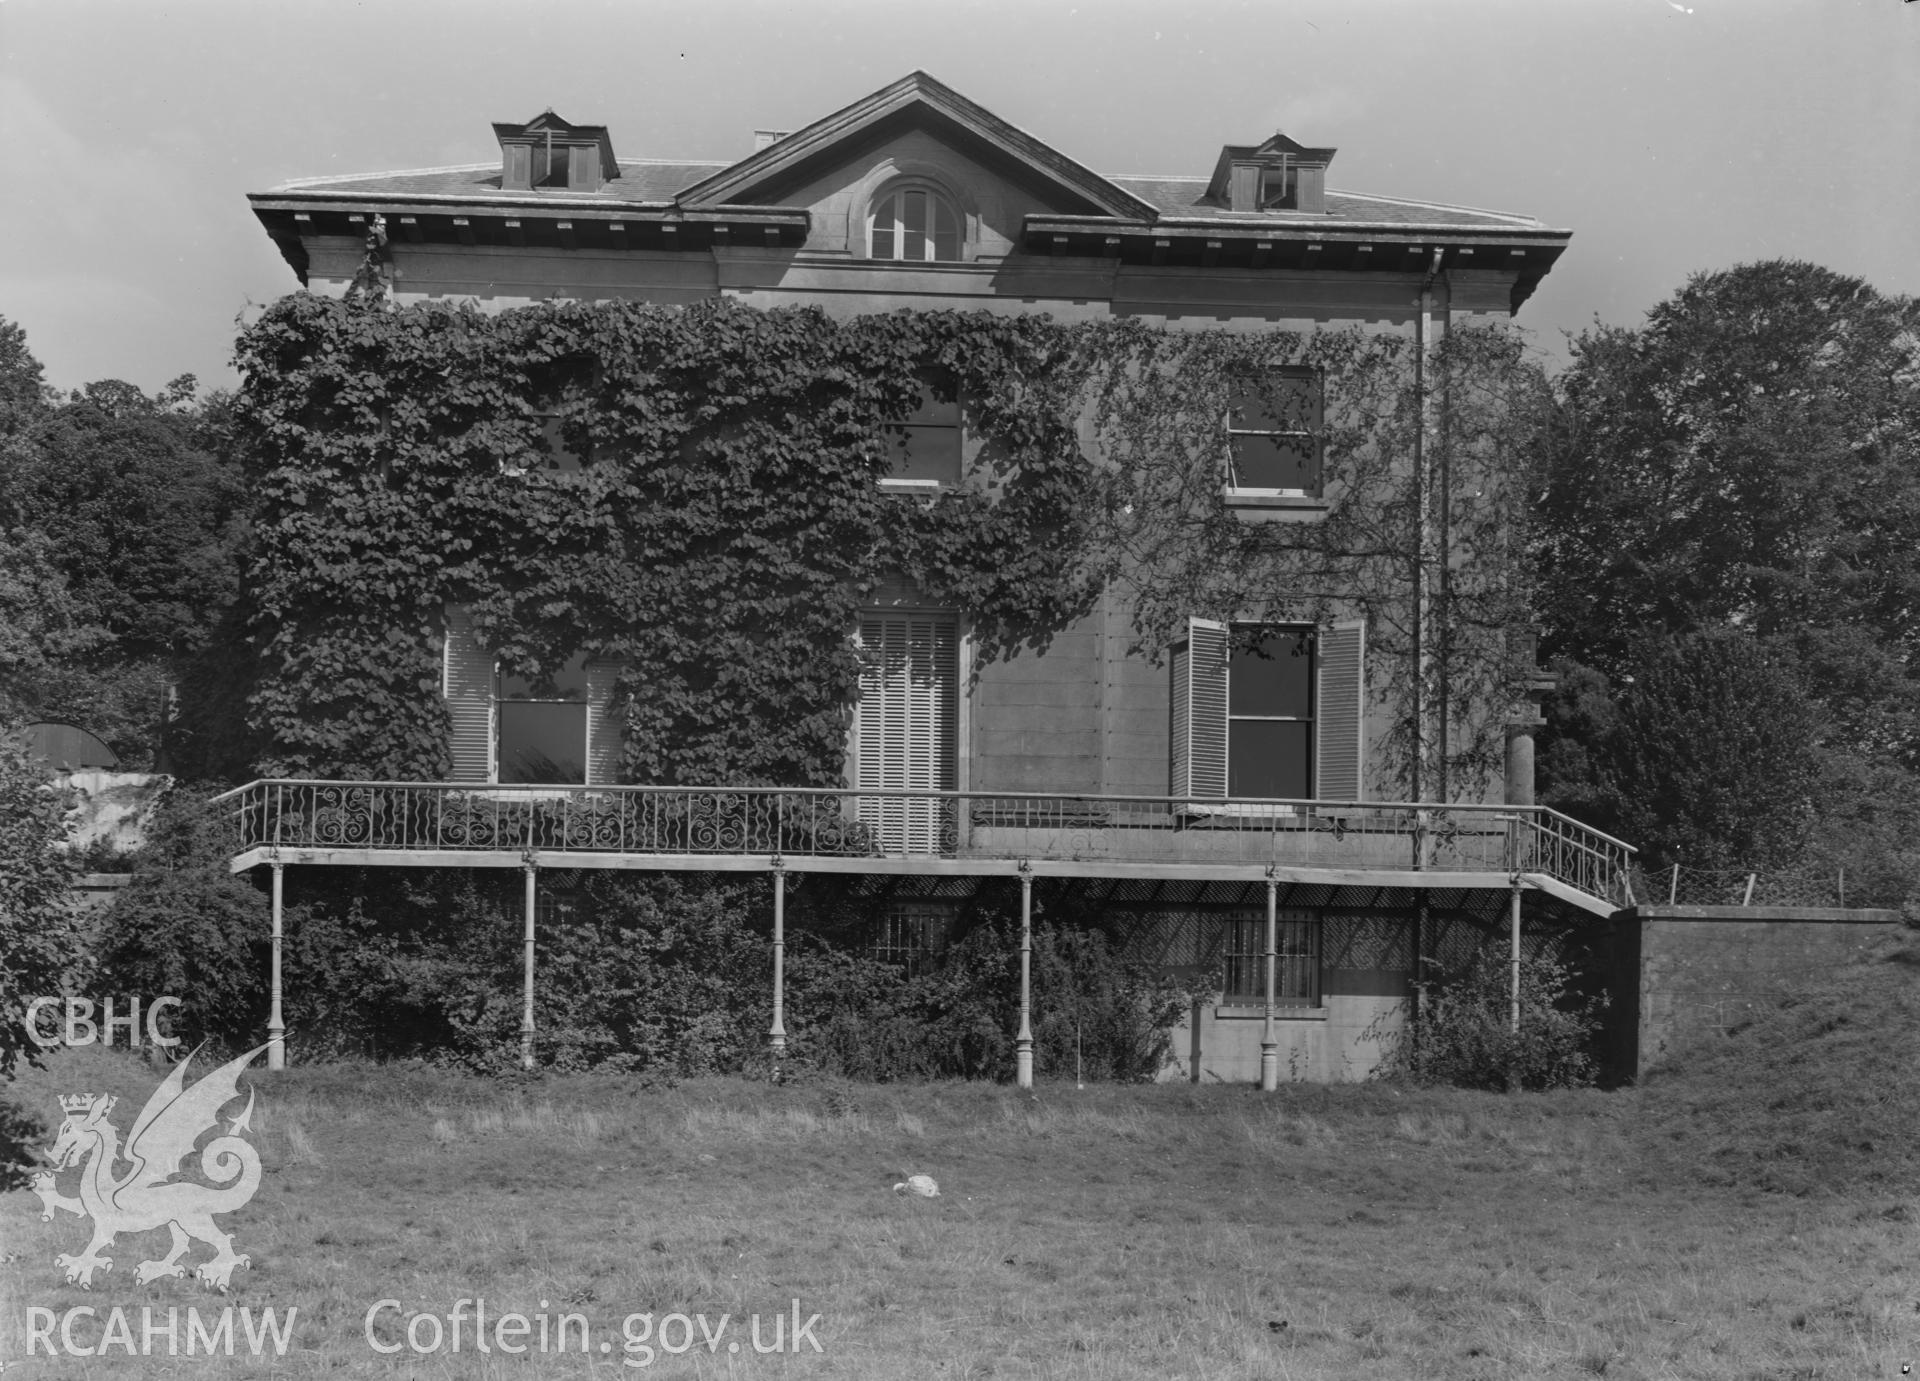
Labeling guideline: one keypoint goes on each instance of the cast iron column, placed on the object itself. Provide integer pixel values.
(1269, 1042)
(276, 1026)
(1023, 1042)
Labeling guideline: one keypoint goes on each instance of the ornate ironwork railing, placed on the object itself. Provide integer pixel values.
(818, 823)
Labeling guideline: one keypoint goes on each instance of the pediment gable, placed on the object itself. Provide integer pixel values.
(916, 101)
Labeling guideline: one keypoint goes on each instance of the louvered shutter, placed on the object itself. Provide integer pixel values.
(517, 172)
(1180, 760)
(907, 725)
(605, 742)
(468, 686)
(1340, 747)
(1200, 713)
(583, 173)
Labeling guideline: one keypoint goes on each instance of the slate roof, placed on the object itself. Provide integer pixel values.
(1182, 197)
(657, 182)
(651, 182)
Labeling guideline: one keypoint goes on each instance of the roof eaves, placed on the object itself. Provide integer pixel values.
(1250, 226)
(1333, 225)
(601, 207)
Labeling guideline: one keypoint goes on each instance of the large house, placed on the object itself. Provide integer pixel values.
(1222, 793)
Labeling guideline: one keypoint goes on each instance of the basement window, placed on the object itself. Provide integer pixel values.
(912, 935)
(1296, 969)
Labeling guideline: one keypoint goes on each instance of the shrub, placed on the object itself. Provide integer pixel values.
(665, 973)
(1464, 1035)
(21, 1131)
(39, 949)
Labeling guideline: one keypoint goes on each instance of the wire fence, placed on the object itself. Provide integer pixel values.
(1681, 885)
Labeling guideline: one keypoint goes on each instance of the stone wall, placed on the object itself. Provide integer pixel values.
(1689, 973)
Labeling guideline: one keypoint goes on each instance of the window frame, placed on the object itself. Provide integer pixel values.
(584, 701)
(1237, 641)
(929, 399)
(890, 195)
(913, 934)
(1198, 700)
(930, 642)
(1298, 951)
(1314, 432)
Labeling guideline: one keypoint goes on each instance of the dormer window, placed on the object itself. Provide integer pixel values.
(549, 154)
(1279, 175)
(914, 222)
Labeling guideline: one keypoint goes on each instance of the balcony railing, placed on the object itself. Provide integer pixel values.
(925, 826)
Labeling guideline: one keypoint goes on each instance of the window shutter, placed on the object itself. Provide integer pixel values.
(907, 724)
(1182, 756)
(604, 724)
(1200, 713)
(1340, 753)
(517, 171)
(468, 687)
(583, 174)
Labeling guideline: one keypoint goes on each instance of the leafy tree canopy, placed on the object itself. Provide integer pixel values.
(1727, 551)
(1749, 459)
(22, 379)
(123, 519)
(39, 949)
(1707, 754)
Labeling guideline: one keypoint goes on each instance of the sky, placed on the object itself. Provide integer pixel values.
(1670, 137)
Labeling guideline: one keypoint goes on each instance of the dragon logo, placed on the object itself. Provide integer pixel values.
(148, 1195)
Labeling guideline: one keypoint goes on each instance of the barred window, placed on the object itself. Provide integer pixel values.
(1296, 971)
(911, 934)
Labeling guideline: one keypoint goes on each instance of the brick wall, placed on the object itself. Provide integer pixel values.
(1690, 973)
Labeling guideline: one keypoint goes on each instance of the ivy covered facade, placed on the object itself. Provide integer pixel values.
(1033, 519)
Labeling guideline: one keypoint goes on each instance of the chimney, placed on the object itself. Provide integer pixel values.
(764, 137)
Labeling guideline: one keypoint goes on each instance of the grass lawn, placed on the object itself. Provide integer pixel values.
(1752, 1216)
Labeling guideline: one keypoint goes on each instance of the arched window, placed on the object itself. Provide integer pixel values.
(915, 223)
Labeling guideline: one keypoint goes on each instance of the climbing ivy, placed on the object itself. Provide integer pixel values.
(725, 527)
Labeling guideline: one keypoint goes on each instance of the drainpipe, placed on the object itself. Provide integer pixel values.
(1424, 326)
(1443, 603)
(1421, 654)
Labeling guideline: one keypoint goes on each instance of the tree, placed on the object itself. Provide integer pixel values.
(39, 947)
(1749, 459)
(1709, 754)
(22, 379)
(146, 518)
(126, 518)
(1745, 466)
(41, 629)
